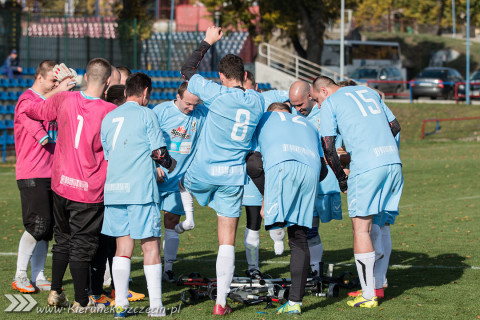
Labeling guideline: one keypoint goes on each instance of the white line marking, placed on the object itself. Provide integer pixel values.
(395, 266)
(468, 198)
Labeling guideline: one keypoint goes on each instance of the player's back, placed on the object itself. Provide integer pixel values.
(181, 132)
(283, 137)
(358, 114)
(79, 167)
(330, 183)
(233, 115)
(129, 135)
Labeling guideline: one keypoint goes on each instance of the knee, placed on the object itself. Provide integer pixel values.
(313, 238)
(254, 164)
(170, 220)
(41, 229)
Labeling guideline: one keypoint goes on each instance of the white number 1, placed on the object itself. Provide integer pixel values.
(375, 110)
(117, 131)
(79, 130)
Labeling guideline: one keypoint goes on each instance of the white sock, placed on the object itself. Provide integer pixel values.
(387, 246)
(365, 262)
(37, 262)
(225, 268)
(121, 273)
(153, 274)
(107, 277)
(25, 250)
(170, 248)
(277, 236)
(376, 236)
(292, 303)
(252, 242)
(316, 253)
(187, 201)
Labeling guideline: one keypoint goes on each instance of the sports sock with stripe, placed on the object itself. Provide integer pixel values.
(365, 263)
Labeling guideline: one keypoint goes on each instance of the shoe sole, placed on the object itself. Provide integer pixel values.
(14, 286)
(136, 299)
(356, 294)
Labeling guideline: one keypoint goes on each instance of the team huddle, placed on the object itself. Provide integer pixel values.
(96, 168)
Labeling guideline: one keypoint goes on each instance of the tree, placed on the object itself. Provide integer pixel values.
(303, 22)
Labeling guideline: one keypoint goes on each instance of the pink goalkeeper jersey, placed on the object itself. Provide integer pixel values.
(33, 159)
(79, 168)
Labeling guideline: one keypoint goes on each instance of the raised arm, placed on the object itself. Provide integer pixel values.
(190, 66)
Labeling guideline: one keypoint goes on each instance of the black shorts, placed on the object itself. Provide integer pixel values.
(37, 207)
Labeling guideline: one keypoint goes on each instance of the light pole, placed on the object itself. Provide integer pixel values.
(467, 82)
(342, 40)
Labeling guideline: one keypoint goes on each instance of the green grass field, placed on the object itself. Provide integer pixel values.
(435, 263)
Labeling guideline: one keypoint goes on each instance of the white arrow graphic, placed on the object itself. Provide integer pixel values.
(13, 301)
(31, 303)
(23, 303)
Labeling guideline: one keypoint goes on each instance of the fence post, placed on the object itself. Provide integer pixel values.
(135, 43)
(66, 40)
(102, 45)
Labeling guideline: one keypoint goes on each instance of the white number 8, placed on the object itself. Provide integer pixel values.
(240, 124)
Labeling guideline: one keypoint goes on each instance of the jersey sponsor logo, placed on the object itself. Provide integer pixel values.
(194, 125)
(117, 187)
(180, 132)
(297, 149)
(383, 150)
(184, 147)
(74, 183)
(227, 170)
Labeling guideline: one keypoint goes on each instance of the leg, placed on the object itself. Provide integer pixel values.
(387, 246)
(227, 228)
(187, 200)
(153, 274)
(39, 257)
(60, 250)
(171, 242)
(121, 269)
(252, 236)
(315, 246)
(98, 267)
(254, 164)
(85, 224)
(364, 254)
(299, 262)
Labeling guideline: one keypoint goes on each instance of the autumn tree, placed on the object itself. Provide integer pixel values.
(303, 22)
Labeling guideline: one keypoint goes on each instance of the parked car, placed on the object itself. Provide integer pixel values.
(474, 86)
(436, 83)
(363, 74)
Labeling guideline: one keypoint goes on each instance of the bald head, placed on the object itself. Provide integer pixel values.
(300, 99)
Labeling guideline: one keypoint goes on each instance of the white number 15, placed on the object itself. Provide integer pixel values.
(370, 103)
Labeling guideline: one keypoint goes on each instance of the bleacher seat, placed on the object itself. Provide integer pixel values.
(8, 124)
(10, 139)
(10, 109)
(2, 125)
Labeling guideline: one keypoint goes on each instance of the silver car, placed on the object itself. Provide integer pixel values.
(379, 77)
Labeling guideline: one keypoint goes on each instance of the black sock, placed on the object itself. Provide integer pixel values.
(79, 271)
(59, 266)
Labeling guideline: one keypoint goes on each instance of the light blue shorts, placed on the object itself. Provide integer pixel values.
(225, 200)
(290, 192)
(385, 217)
(140, 221)
(375, 191)
(172, 202)
(328, 207)
(251, 195)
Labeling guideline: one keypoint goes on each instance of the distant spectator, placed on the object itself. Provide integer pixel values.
(10, 67)
(125, 72)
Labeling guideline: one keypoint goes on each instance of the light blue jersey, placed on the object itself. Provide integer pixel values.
(359, 115)
(129, 135)
(273, 96)
(330, 183)
(226, 138)
(181, 132)
(282, 137)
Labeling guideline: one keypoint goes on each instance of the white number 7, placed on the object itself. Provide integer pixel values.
(367, 100)
(117, 131)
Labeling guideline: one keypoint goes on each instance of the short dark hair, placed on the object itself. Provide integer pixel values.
(116, 94)
(98, 70)
(124, 69)
(232, 67)
(44, 67)
(347, 83)
(182, 88)
(136, 83)
(251, 77)
(322, 81)
(280, 107)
